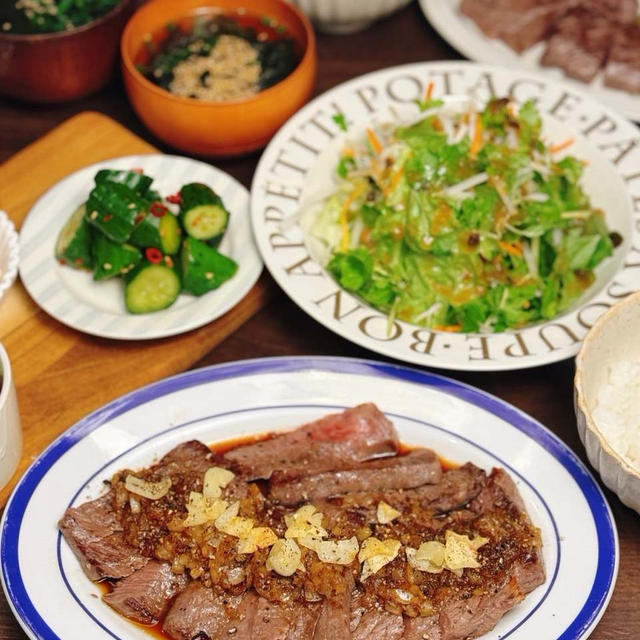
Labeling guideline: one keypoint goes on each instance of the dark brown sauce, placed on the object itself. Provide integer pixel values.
(221, 448)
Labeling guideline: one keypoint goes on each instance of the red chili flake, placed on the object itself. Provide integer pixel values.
(139, 218)
(78, 261)
(153, 255)
(62, 261)
(107, 217)
(174, 198)
(137, 170)
(168, 260)
(158, 209)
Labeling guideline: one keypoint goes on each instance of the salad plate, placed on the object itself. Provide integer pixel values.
(53, 599)
(298, 170)
(465, 36)
(72, 296)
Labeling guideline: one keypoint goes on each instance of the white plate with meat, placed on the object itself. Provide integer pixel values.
(523, 24)
(501, 486)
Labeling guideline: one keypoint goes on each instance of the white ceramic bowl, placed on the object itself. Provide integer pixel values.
(10, 430)
(347, 16)
(614, 338)
(8, 253)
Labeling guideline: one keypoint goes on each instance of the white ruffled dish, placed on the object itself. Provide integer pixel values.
(8, 253)
(338, 16)
(614, 338)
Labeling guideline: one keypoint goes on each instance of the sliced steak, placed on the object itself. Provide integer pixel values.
(335, 615)
(519, 24)
(579, 44)
(335, 441)
(189, 457)
(462, 619)
(275, 621)
(402, 472)
(455, 490)
(145, 596)
(422, 628)
(623, 67)
(95, 536)
(375, 624)
(622, 11)
(199, 613)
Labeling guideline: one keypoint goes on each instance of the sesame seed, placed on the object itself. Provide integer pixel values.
(208, 275)
(106, 265)
(131, 205)
(93, 215)
(6, 26)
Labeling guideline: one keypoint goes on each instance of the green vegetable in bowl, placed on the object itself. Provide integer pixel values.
(463, 221)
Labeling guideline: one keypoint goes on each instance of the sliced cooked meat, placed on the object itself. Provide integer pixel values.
(579, 44)
(335, 614)
(145, 595)
(455, 490)
(292, 621)
(199, 613)
(334, 441)
(375, 624)
(463, 619)
(422, 628)
(404, 472)
(95, 535)
(623, 67)
(519, 24)
(623, 11)
(189, 457)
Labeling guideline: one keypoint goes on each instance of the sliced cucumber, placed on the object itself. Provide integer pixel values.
(151, 287)
(116, 210)
(112, 259)
(204, 215)
(164, 233)
(73, 246)
(132, 179)
(203, 268)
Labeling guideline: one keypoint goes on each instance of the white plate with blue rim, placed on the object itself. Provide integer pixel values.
(72, 297)
(300, 161)
(53, 599)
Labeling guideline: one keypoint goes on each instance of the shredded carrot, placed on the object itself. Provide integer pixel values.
(429, 92)
(513, 249)
(477, 137)
(395, 180)
(561, 145)
(348, 152)
(450, 328)
(374, 141)
(344, 223)
(365, 236)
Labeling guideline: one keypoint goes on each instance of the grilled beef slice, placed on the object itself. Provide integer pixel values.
(519, 24)
(95, 535)
(403, 472)
(291, 621)
(623, 66)
(199, 613)
(335, 614)
(376, 624)
(579, 44)
(334, 441)
(145, 595)
(622, 11)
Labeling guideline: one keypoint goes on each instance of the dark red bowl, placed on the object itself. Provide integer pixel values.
(56, 67)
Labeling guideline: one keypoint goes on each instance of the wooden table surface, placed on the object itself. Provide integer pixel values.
(281, 328)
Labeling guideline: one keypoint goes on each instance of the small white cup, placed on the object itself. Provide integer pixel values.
(10, 430)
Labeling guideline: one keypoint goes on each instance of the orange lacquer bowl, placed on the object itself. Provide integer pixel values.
(216, 128)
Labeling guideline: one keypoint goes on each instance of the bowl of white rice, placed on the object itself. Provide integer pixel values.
(607, 398)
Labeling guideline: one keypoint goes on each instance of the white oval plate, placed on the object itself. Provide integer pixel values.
(463, 34)
(72, 297)
(53, 599)
(298, 162)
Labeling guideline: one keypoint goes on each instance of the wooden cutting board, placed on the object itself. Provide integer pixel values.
(62, 374)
